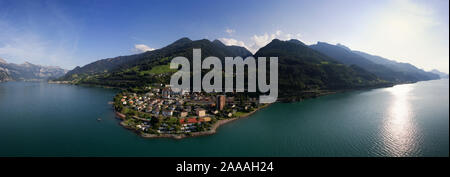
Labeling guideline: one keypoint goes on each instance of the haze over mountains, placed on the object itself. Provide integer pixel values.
(302, 69)
(441, 74)
(28, 72)
(385, 69)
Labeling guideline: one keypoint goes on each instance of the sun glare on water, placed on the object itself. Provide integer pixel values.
(399, 127)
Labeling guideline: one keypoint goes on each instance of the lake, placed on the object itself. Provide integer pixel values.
(40, 119)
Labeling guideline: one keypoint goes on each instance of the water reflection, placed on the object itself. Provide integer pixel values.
(399, 129)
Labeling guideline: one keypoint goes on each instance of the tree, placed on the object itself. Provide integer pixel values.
(177, 128)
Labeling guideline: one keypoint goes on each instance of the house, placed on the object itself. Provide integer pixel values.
(215, 112)
(183, 114)
(184, 92)
(166, 92)
(179, 91)
(180, 102)
(205, 119)
(191, 120)
(155, 111)
(201, 112)
(149, 109)
(167, 113)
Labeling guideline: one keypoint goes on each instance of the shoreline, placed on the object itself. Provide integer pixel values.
(221, 122)
(212, 131)
(85, 85)
(320, 93)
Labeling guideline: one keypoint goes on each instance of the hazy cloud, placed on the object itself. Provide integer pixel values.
(231, 41)
(262, 40)
(142, 48)
(258, 41)
(230, 31)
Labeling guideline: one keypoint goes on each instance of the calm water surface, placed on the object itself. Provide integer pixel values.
(39, 119)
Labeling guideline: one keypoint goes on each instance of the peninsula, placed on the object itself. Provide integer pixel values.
(159, 112)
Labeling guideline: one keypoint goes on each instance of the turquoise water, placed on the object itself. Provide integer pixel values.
(39, 119)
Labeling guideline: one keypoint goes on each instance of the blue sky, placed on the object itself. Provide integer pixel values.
(71, 33)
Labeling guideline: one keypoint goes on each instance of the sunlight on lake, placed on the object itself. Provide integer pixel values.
(399, 128)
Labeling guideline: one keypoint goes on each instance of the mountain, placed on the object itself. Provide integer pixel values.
(4, 76)
(235, 50)
(28, 71)
(302, 69)
(413, 73)
(345, 55)
(343, 46)
(442, 75)
(2, 61)
(147, 67)
(341, 54)
(295, 41)
(181, 47)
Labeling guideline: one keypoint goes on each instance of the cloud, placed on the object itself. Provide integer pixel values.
(263, 40)
(258, 41)
(231, 41)
(230, 31)
(142, 48)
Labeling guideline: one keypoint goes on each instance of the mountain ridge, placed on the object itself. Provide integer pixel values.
(442, 75)
(147, 67)
(303, 70)
(406, 68)
(347, 56)
(179, 46)
(29, 72)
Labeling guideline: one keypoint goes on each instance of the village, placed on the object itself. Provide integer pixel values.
(160, 110)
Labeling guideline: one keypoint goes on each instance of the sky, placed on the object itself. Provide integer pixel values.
(70, 33)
